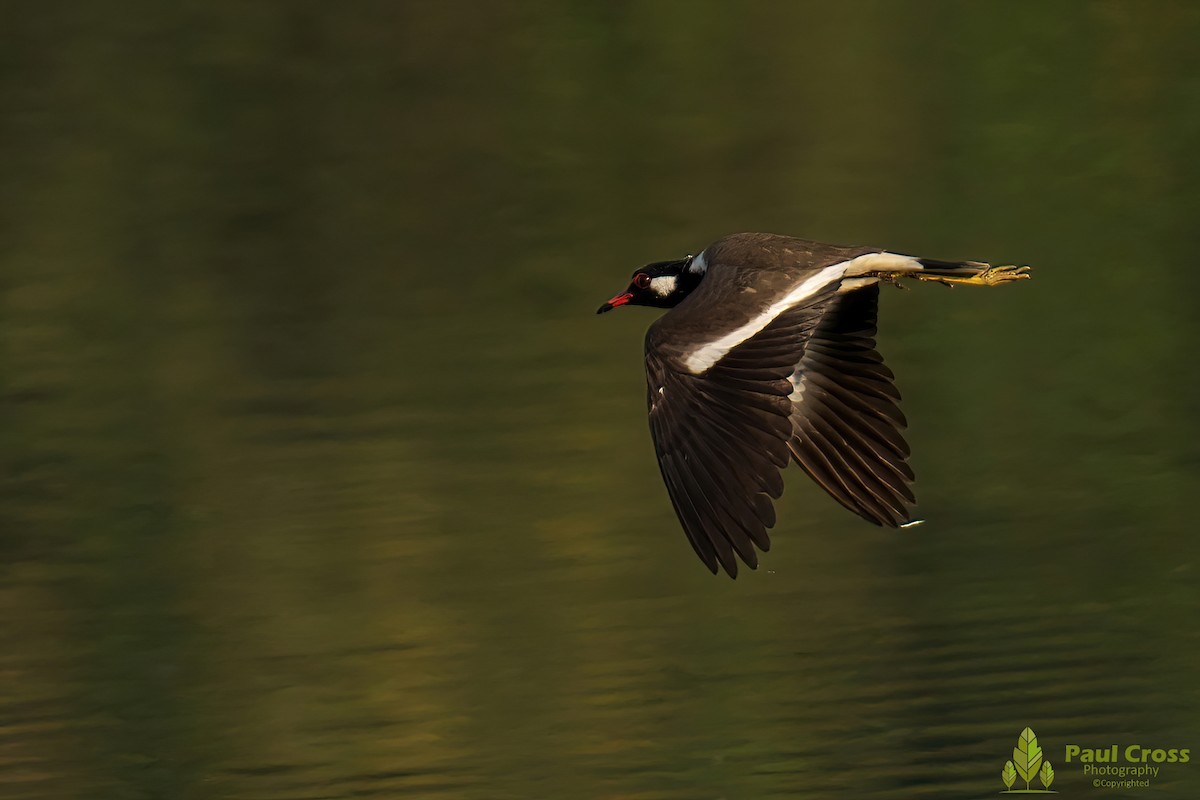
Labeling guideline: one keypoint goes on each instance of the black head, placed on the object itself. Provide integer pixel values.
(662, 284)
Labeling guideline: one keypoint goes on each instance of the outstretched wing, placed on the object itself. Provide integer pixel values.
(722, 435)
(808, 386)
(846, 416)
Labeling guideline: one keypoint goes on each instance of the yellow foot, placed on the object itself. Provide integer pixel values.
(994, 276)
(991, 276)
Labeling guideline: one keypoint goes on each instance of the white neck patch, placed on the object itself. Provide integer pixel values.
(698, 265)
(664, 285)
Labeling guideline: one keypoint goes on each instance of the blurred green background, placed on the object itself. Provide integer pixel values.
(319, 477)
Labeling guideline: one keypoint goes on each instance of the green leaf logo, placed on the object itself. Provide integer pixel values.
(1029, 763)
(1008, 774)
(1027, 756)
(1046, 776)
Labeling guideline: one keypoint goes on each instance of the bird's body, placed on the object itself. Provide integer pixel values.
(768, 356)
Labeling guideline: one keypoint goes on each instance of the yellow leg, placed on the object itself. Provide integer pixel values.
(989, 276)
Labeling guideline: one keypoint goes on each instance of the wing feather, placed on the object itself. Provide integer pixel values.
(722, 436)
(809, 387)
(847, 419)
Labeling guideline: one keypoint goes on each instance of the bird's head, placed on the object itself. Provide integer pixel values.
(662, 284)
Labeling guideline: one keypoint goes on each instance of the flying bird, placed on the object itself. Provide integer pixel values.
(767, 356)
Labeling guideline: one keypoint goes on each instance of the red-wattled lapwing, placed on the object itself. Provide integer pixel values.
(767, 356)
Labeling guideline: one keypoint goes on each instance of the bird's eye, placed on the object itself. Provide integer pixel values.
(641, 280)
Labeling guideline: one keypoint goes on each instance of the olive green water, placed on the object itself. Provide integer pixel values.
(319, 477)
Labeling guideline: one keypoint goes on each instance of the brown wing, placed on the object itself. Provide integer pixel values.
(722, 437)
(846, 417)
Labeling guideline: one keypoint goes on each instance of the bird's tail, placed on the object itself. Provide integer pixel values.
(952, 269)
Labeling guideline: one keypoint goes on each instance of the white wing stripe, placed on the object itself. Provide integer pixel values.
(701, 359)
